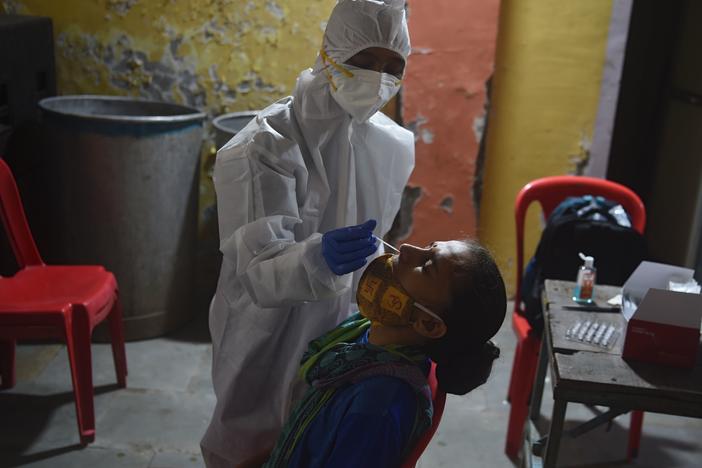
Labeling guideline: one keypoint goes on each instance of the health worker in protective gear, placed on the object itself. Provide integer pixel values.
(302, 191)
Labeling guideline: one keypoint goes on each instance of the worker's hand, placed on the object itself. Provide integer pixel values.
(345, 249)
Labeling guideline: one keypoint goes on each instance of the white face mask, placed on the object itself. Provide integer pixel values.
(361, 92)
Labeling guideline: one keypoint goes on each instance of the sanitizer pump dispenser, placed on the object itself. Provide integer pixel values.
(585, 284)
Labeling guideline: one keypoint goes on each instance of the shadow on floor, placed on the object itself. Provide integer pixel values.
(606, 447)
(21, 460)
(25, 419)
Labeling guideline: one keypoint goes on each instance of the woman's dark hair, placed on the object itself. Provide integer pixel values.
(464, 355)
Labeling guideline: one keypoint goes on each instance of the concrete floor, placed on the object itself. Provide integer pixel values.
(158, 420)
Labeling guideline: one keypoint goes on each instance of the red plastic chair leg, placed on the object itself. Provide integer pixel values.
(117, 339)
(514, 380)
(523, 369)
(634, 435)
(7, 363)
(79, 356)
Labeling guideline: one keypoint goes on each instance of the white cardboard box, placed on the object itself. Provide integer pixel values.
(665, 327)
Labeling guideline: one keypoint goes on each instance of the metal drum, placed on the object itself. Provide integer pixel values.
(126, 194)
(228, 125)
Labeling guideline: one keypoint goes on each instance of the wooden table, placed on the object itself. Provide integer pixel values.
(585, 373)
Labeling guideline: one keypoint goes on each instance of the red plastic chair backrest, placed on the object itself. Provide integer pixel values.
(550, 191)
(16, 227)
(438, 398)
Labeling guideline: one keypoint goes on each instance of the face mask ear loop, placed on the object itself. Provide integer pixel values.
(429, 312)
(327, 59)
(330, 79)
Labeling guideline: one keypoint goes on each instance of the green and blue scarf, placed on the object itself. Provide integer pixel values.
(334, 361)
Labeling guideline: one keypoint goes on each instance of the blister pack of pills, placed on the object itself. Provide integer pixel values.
(594, 332)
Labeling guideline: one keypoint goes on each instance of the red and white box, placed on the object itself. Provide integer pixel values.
(665, 326)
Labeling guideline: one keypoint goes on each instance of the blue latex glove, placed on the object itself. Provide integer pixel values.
(345, 249)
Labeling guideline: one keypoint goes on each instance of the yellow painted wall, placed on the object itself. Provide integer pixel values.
(549, 63)
(217, 55)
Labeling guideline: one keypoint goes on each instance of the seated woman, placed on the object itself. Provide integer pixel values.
(369, 400)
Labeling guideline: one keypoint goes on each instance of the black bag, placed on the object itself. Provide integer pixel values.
(594, 226)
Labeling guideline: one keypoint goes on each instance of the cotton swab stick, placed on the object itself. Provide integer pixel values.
(386, 244)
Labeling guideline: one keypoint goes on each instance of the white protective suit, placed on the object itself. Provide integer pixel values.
(301, 168)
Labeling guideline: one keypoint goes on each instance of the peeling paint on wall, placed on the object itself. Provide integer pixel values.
(447, 204)
(402, 225)
(275, 9)
(480, 129)
(218, 56)
(427, 136)
(422, 133)
(197, 53)
(581, 160)
(121, 7)
(452, 57)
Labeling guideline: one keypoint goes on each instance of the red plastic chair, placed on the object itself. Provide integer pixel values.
(549, 192)
(439, 401)
(55, 302)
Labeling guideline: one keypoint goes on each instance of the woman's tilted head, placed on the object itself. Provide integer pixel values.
(459, 281)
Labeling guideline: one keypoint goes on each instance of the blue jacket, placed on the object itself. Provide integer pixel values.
(367, 424)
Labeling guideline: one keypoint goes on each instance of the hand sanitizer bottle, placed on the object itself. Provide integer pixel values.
(585, 284)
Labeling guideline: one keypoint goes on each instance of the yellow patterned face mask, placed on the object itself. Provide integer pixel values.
(381, 298)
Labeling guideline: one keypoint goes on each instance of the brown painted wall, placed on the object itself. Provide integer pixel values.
(453, 48)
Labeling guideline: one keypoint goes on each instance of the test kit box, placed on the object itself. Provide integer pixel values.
(663, 326)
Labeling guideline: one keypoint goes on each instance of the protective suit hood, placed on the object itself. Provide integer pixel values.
(355, 25)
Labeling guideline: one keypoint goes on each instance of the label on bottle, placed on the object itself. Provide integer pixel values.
(584, 286)
(586, 289)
